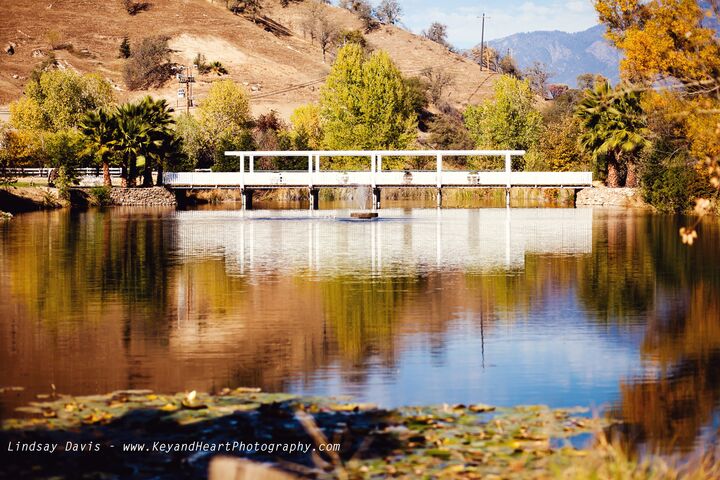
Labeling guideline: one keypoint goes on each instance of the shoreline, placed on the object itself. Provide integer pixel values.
(21, 199)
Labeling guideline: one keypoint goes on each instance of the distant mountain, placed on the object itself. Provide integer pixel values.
(566, 55)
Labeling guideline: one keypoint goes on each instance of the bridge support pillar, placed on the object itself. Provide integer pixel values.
(575, 194)
(438, 198)
(376, 198)
(507, 197)
(247, 198)
(314, 197)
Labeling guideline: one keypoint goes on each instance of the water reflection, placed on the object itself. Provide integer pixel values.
(562, 306)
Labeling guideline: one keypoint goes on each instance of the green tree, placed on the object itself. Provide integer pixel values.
(59, 99)
(509, 121)
(63, 150)
(306, 133)
(366, 104)
(224, 114)
(614, 130)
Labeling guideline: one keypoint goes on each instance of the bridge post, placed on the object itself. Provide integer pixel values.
(508, 172)
(376, 198)
(314, 197)
(247, 198)
(252, 163)
(438, 198)
(242, 172)
(310, 160)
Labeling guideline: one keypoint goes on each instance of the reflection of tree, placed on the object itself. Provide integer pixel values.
(90, 258)
(670, 409)
(618, 279)
(363, 313)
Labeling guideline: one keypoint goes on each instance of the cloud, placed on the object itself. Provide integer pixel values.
(505, 18)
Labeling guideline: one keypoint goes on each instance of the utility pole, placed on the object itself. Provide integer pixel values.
(482, 41)
(187, 80)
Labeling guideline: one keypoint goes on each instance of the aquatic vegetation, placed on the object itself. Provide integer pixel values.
(471, 441)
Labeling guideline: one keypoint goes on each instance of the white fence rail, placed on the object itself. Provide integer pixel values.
(45, 171)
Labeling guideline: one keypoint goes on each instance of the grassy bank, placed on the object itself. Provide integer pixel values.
(459, 441)
(19, 199)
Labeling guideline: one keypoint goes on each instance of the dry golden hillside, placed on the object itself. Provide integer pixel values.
(281, 70)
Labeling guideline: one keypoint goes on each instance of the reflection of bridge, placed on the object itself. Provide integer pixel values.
(329, 243)
(376, 177)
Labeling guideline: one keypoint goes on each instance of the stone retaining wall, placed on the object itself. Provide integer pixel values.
(142, 196)
(610, 197)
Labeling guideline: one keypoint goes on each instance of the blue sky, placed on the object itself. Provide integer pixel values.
(507, 17)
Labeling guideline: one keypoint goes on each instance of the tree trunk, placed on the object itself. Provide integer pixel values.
(107, 181)
(613, 176)
(631, 181)
(147, 174)
(159, 180)
(132, 173)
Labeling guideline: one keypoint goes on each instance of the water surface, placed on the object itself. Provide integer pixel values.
(565, 307)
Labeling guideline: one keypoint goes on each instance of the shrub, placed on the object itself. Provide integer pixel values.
(133, 8)
(671, 185)
(100, 196)
(150, 65)
(351, 36)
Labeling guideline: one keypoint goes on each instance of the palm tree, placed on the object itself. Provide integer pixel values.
(99, 128)
(614, 128)
(157, 115)
(130, 139)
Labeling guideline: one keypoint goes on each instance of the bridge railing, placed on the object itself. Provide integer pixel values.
(375, 176)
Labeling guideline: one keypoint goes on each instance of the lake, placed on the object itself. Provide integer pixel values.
(592, 307)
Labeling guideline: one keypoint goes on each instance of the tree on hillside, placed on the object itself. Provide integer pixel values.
(491, 58)
(149, 66)
(438, 80)
(437, 32)
(363, 10)
(326, 35)
(508, 66)
(509, 121)
(614, 129)
(537, 75)
(365, 104)
(588, 81)
(388, 12)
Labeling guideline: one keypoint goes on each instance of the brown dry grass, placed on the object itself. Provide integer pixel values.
(91, 31)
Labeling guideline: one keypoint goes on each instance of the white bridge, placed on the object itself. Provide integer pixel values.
(375, 177)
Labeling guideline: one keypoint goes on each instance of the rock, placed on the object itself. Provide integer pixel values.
(37, 53)
(153, 196)
(5, 216)
(227, 468)
(610, 197)
(10, 48)
(15, 76)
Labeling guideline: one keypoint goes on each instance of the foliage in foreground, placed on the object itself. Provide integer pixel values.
(474, 441)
